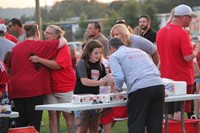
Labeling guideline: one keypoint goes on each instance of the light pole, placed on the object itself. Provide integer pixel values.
(38, 18)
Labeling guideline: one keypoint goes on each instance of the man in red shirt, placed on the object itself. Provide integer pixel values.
(9, 36)
(176, 53)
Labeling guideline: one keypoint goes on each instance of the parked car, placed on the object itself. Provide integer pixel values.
(77, 45)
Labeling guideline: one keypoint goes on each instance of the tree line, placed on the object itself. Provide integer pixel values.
(130, 10)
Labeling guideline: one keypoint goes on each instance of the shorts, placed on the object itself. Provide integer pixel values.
(81, 114)
(107, 116)
(197, 80)
(117, 112)
(188, 105)
(63, 97)
(173, 107)
(120, 112)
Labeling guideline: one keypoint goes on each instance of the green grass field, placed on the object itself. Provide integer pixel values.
(119, 127)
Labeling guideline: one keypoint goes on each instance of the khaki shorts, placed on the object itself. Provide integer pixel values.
(64, 97)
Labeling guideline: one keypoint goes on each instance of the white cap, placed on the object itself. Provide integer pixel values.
(3, 28)
(182, 10)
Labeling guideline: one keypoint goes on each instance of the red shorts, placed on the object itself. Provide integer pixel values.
(107, 116)
(116, 112)
(188, 105)
(120, 112)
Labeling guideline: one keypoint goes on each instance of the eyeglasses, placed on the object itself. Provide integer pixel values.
(48, 33)
(9, 26)
(188, 16)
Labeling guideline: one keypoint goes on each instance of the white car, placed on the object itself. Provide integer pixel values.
(75, 44)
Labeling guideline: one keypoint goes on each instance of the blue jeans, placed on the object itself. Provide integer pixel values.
(81, 114)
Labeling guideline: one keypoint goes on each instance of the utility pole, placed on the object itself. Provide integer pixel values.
(38, 18)
(46, 15)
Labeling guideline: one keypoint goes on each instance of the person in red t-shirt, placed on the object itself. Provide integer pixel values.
(63, 77)
(4, 87)
(30, 81)
(176, 54)
(9, 36)
(4, 81)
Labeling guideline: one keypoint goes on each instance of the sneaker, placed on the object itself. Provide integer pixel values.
(100, 130)
(41, 124)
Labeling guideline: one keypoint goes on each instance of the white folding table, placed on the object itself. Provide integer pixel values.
(11, 115)
(70, 107)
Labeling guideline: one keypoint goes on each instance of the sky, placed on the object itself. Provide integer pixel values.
(30, 3)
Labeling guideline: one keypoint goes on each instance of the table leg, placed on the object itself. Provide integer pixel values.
(58, 121)
(166, 119)
(182, 117)
(73, 122)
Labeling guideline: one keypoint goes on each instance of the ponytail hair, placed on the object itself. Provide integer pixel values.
(31, 29)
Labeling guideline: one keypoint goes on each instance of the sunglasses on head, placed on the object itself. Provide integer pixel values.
(122, 21)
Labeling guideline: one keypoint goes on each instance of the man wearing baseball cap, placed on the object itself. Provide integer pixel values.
(177, 54)
(184, 10)
(3, 28)
(6, 45)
